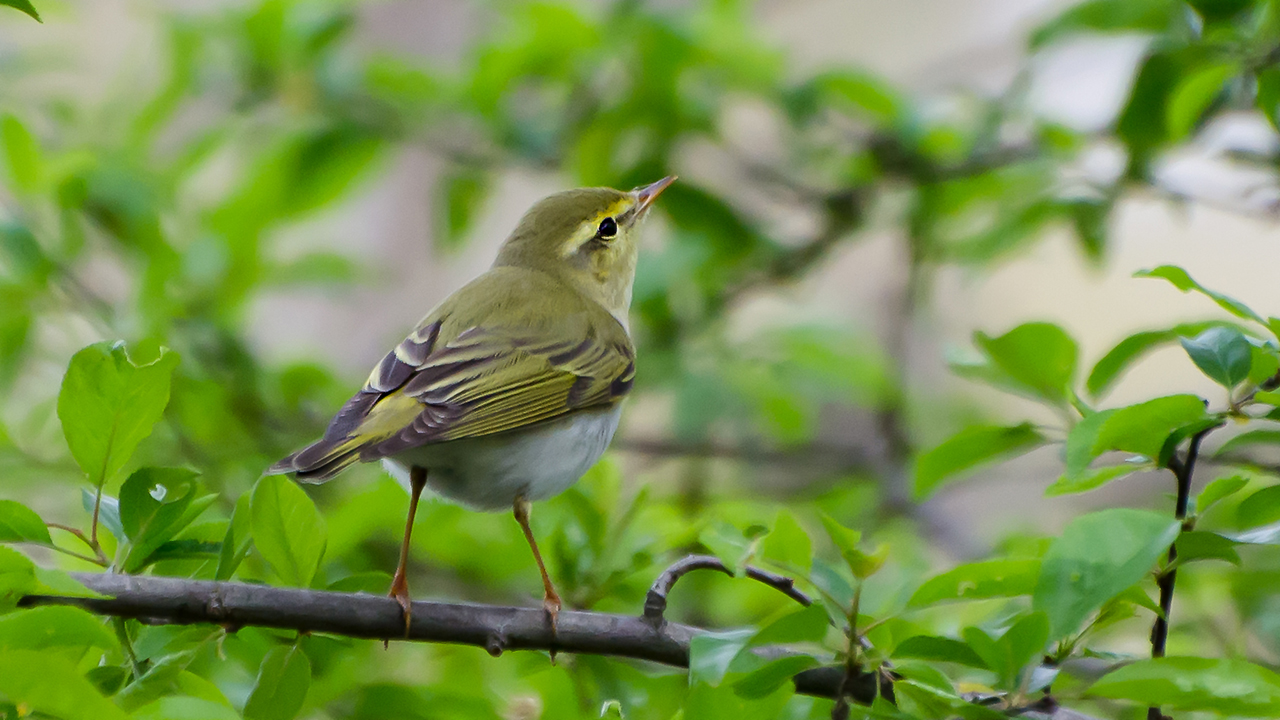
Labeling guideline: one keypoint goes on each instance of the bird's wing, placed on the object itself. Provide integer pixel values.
(488, 378)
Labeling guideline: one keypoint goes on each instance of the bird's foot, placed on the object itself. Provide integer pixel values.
(400, 591)
(551, 604)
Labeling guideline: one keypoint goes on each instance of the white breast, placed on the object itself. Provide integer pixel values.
(488, 473)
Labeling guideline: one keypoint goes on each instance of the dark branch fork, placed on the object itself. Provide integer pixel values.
(161, 600)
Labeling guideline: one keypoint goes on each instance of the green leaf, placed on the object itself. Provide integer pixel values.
(178, 707)
(109, 403)
(1262, 535)
(727, 543)
(1008, 577)
(968, 449)
(1008, 655)
(1126, 16)
(846, 541)
(1189, 684)
(939, 649)
(283, 680)
(236, 543)
(1040, 358)
(23, 5)
(1196, 545)
(21, 150)
(1264, 364)
(1098, 556)
(54, 626)
(155, 505)
(464, 193)
(1222, 353)
(1219, 490)
(1193, 96)
(807, 625)
(20, 524)
(787, 544)
(50, 684)
(1260, 508)
(287, 529)
(1246, 439)
(1270, 397)
(1183, 282)
(1091, 479)
(108, 512)
(159, 680)
(1133, 348)
(1079, 451)
(17, 577)
(711, 653)
(1144, 428)
(763, 681)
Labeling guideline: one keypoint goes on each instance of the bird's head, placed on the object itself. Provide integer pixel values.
(588, 238)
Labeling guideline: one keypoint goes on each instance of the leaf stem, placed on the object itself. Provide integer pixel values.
(1182, 471)
(101, 557)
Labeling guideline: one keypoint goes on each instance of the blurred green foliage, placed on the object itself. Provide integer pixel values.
(269, 113)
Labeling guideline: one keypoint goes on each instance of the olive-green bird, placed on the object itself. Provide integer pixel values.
(510, 389)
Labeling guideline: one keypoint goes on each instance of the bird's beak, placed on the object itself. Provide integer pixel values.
(646, 194)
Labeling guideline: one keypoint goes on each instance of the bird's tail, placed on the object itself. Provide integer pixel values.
(319, 461)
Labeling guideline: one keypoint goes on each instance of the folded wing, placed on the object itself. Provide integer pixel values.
(484, 380)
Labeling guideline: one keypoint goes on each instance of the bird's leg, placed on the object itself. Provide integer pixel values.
(400, 584)
(550, 599)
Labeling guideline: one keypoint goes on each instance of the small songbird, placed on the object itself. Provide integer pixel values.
(509, 390)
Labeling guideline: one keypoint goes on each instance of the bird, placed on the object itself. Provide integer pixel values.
(509, 390)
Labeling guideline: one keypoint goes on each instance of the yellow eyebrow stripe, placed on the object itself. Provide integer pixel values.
(587, 229)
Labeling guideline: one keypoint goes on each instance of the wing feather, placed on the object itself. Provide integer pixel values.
(451, 379)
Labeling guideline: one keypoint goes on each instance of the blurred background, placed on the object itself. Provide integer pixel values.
(280, 189)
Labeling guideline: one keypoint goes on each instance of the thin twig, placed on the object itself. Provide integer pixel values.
(655, 603)
(95, 547)
(1183, 471)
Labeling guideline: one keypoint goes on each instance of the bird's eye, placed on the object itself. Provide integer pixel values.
(608, 229)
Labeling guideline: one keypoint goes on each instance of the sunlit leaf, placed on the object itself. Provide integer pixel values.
(287, 529)
(20, 524)
(1144, 428)
(54, 626)
(109, 403)
(49, 683)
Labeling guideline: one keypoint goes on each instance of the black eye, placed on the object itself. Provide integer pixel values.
(608, 229)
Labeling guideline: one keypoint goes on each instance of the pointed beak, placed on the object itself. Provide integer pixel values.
(646, 194)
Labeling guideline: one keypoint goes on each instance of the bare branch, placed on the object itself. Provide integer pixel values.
(160, 600)
(655, 603)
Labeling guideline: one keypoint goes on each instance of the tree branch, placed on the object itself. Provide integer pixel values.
(655, 602)
(161, 600)
(1182, 471)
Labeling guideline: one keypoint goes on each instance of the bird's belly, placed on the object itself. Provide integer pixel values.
(488, 473)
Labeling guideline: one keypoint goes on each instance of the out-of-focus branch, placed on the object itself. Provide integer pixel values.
(844, 457)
